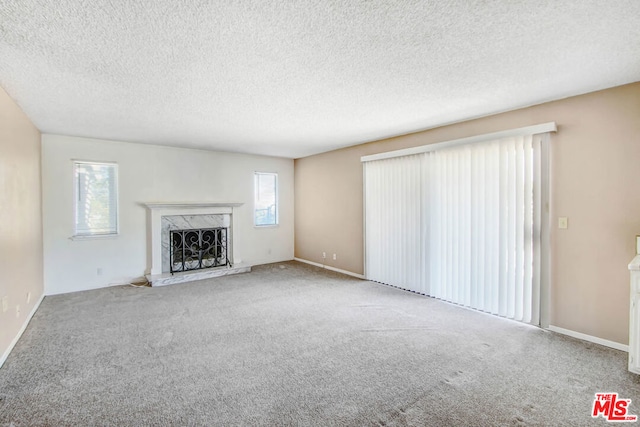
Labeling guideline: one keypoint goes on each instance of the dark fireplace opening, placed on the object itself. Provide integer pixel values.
(197, 249)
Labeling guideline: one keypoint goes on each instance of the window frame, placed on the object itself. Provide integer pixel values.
(256, 174)
(84, 236)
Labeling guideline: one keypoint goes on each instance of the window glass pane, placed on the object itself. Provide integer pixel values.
(96, 198)
(266, 199)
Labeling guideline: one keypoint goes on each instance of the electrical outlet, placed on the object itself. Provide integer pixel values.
(563, 222)
(324, 255)
(5, 304)
(335, 257)
(99, 271)
(28, 297)
(18, 310)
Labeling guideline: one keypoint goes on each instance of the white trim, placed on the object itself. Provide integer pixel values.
(24, 327)
(634, 265)
(590, 338)
(94, 236)
(97, 162)
(364, 222)
(337, 270)
(190, 205)
(529, 130)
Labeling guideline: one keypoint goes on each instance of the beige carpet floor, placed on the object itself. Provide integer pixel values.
(290, 344)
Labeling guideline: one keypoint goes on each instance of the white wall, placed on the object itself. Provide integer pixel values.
(149, 173)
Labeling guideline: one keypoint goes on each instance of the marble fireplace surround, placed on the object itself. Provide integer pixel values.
(187, 215)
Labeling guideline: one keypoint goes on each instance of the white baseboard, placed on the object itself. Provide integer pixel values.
(24, 326)
(590, 338)
(337, 270)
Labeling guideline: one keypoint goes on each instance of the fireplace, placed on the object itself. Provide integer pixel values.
(190, 245)
(192, 241)
(197, 249)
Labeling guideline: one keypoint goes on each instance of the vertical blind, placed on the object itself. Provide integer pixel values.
(462, 224)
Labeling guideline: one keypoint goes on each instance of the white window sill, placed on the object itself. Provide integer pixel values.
(94, 236)
(267, 226)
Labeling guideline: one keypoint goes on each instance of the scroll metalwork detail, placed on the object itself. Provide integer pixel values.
(196, 249)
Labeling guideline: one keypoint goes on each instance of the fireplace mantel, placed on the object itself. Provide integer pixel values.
(156, 210)
(187, 205)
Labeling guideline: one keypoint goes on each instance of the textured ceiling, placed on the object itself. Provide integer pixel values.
(293, 78)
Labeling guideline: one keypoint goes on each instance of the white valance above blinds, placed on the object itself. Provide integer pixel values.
(494, 136)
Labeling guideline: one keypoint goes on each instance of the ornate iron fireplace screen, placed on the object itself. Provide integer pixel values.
(198, 248)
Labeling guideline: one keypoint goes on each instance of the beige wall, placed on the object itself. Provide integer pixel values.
(20, 219)
(595, 179)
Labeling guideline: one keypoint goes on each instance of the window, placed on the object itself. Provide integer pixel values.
(96, 198)
(266, 199)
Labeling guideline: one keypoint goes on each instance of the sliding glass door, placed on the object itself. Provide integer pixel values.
(462, 224)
